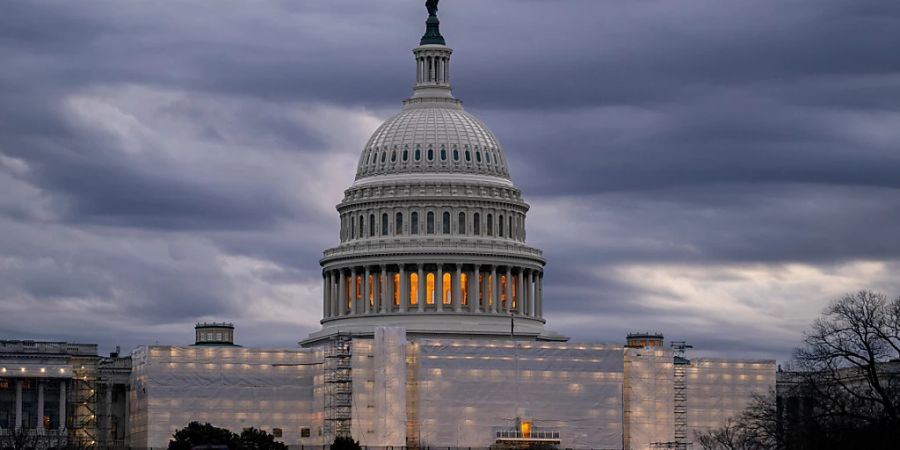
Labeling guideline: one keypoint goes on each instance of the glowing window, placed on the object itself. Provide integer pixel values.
(414, 288)
(445, 286)
(429, 288)
(396, 289)
(464, 288)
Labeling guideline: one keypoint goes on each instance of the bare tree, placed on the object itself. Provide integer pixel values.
(755, 429)
(849, 360)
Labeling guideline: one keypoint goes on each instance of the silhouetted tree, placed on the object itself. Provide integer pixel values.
(196, 434)
(345, 443)
(255, 439)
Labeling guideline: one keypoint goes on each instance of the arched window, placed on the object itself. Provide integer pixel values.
(413, 288)
(418, 154)
(500, 223)
(414, 223)
(429, 225)
(476, 224)
(398, 224)
(461, 223)
(490, 225)
(445, 286)
(384, 224)
(455, 154)
(431, 154)
(394, 156)
(383, 156)
(487, 156)
(405, 155)
(443, 154)
(371, 224)
(468, 156)
(352, 227)
(510, 226)
(446, 223)
(478, 156)
(429, 288)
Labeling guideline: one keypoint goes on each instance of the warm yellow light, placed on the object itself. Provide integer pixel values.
(22, 369)
(43, 370)
(446, 288)
(525, 428)
(60, 370)
(414, 288)
(3, 370)
(429, 288)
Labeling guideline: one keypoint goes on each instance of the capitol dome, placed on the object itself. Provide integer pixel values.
(432, 235)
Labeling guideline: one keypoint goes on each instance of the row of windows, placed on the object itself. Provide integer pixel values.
(382, 156)
(510, 226)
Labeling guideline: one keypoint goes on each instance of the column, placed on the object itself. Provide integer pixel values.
(353, 306)
(457, 289)
(383, 281)
(530, 292)
(439, 287)
(539, 303)
(509, 290)
(421, 288)
(326, 295)
(335, 294)
(18, 404)
(390, 288)
(62, 404)
(342, 294)
(40, 405)
(520, 294)
(367, 289)
(474, 288)
(107, 419)
(404, 289)
(495, 294)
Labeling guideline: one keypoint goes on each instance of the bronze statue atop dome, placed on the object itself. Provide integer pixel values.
(432, 25)
(431, 5)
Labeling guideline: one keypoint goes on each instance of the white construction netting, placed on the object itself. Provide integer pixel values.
(718, 389)
(649, 397)
(229, 387)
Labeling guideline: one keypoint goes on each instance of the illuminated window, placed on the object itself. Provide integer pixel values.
(445, 286)
(414, 288)
(446, 223)
(429, 227)
(515, 292)
(476, 224)
(461, 223)
(414, 223)
(503, 291)
(371, 291)
(429, 288)
(396, 289)
(359, 280)
(464, 288)
(384, 224)
(398, 224)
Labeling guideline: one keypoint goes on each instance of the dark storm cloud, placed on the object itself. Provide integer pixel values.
(166, 162)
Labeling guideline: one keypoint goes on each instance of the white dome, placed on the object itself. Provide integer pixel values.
(432, 137)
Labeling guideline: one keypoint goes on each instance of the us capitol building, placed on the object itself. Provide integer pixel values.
(432, 333)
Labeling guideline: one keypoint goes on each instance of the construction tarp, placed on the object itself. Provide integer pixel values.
(718, 389)
(649, 394)
(228, 386)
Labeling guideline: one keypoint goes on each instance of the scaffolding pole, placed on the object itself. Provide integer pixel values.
(338, 387)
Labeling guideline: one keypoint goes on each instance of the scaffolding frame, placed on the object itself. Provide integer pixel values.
(338, 387)
(679, 386)
(84, 419)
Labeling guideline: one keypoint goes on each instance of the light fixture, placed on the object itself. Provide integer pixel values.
(3, 370)
(22, 369)
(43, 370)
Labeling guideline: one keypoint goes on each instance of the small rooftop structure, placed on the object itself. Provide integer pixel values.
(644, 340)
(214, 333)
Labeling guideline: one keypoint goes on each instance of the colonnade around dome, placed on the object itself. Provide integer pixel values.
(432, 288)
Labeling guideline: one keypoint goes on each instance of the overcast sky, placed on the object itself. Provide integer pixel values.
(714, 170)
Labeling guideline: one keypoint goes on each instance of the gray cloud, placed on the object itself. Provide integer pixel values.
(163, 163)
